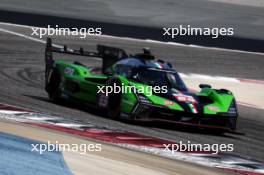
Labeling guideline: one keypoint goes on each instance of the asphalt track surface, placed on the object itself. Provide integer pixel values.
(145, 19)
(22, 84)
(247, 20)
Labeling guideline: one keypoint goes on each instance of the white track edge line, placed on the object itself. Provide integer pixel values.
(154, 41)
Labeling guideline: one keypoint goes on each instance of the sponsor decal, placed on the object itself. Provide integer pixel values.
(168, 103)
(185, 98)
(214, 108)
(69, 71)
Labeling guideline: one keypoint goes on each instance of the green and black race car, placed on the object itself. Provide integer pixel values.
(147, 89)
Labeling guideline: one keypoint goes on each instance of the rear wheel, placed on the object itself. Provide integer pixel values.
(53, 86)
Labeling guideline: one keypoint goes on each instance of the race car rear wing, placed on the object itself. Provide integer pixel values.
(109, 55)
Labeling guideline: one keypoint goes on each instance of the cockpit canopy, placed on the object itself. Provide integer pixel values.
(151, 72)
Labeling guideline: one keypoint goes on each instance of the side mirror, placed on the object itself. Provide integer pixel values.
(205, 86)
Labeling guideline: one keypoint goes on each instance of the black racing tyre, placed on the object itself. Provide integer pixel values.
(232, 122)
(114, 101)
(53, 86)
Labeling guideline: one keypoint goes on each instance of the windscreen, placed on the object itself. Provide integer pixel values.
(156, 77)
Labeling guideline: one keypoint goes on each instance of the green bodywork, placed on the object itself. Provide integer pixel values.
(89, 81)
